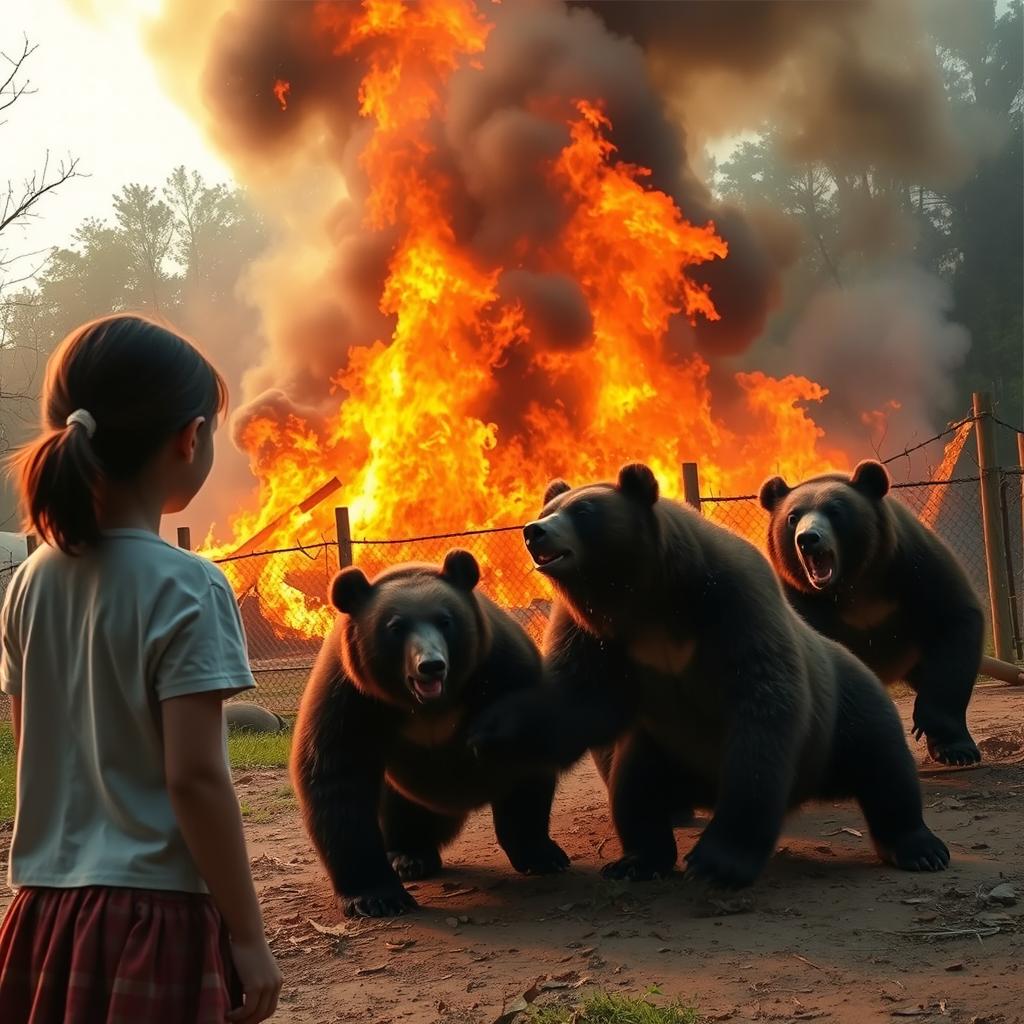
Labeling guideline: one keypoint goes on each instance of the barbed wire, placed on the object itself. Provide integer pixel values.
(304, 549)
(1003, 423)
(440, 536)
(951, 429)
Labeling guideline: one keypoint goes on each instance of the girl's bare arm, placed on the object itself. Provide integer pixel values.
(204, 801)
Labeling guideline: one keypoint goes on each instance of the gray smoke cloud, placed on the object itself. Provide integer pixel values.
(890, 348)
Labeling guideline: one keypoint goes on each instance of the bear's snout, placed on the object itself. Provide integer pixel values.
(432, 667)
(532, 532)
(808, 540)
(426, 660)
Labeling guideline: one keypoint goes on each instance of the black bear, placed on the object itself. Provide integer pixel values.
(860, 568)
(671, 642)
(380, 761)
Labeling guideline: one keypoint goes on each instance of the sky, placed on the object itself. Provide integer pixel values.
(98, 98)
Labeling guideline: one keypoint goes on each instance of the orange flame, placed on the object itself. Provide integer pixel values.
(929, 513)
(281, 90)
(409, 442)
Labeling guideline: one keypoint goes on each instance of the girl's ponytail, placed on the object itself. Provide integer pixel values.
(59, 474)
(116, 389)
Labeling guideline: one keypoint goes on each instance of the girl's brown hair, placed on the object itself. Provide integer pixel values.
(139, 383)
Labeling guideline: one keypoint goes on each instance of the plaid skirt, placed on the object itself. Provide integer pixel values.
(100, 955)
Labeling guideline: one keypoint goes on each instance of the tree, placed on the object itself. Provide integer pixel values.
(20, 358)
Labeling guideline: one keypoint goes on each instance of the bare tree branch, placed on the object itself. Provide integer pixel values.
(10, 90)
(35, 187)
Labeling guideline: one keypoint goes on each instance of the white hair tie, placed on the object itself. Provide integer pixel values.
(82, 418)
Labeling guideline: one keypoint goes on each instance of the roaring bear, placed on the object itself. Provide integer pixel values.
(671, 643)
(860, 568)
(380, 761)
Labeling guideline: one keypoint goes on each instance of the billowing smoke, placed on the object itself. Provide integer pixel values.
(848, 80)
(892, 352)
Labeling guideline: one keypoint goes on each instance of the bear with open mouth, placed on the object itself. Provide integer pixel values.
(381, 766)
(673, 655)
(860, 568)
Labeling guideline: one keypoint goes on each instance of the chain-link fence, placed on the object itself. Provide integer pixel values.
(283, 595)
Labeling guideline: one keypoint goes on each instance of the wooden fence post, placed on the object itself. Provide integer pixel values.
(185, 538)
(992, 526)
(691, 485)
(1020, 463)
(344, 537)
(1011, 586)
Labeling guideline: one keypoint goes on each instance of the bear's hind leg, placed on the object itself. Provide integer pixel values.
(414, 835)
(521, 822)
(873, 764)
(640, 810)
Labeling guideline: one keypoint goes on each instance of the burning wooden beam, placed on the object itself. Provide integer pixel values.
(306, 505)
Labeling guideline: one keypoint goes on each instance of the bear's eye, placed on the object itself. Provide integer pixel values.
(394, 624)
(792, 519)
(582, 508)
(444, 623)
(833, 510)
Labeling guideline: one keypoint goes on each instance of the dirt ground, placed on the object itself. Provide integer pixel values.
(828, 933)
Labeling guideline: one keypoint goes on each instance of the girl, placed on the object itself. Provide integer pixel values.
(118, 650)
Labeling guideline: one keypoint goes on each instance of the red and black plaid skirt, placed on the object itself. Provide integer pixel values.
(101, 955)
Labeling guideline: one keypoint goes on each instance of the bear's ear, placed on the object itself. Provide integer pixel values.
(638, 482)
(461, 569)
(555, 488)
(871, 479)
(772, 492)
(350, 590)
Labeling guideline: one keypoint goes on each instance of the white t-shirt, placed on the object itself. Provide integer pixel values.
(92, 644)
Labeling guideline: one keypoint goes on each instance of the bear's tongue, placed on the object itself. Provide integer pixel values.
(428, 689)
(820, 567)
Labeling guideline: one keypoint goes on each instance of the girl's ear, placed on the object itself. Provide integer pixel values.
(188, 438)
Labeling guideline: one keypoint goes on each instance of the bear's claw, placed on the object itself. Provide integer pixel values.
(721, 864)
(389, 901)
(920, 850)
(635, 868)
(413, 867)
(546, 858)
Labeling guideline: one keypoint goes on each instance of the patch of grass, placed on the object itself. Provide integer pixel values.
(264, 808)
(604, 1008)
(259, 750)
(246, 750)
(7, 763)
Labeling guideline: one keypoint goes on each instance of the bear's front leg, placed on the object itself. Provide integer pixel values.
(521, 820)
(640, 810)
(944, 682)
(339, 774)
(754, 787)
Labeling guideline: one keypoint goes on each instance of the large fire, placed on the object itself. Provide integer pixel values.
(408, 442)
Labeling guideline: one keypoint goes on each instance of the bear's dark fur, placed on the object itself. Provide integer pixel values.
(380, 762)
(860, 568)
(672, 643)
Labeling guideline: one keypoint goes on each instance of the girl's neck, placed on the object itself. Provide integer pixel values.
(130, 505)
